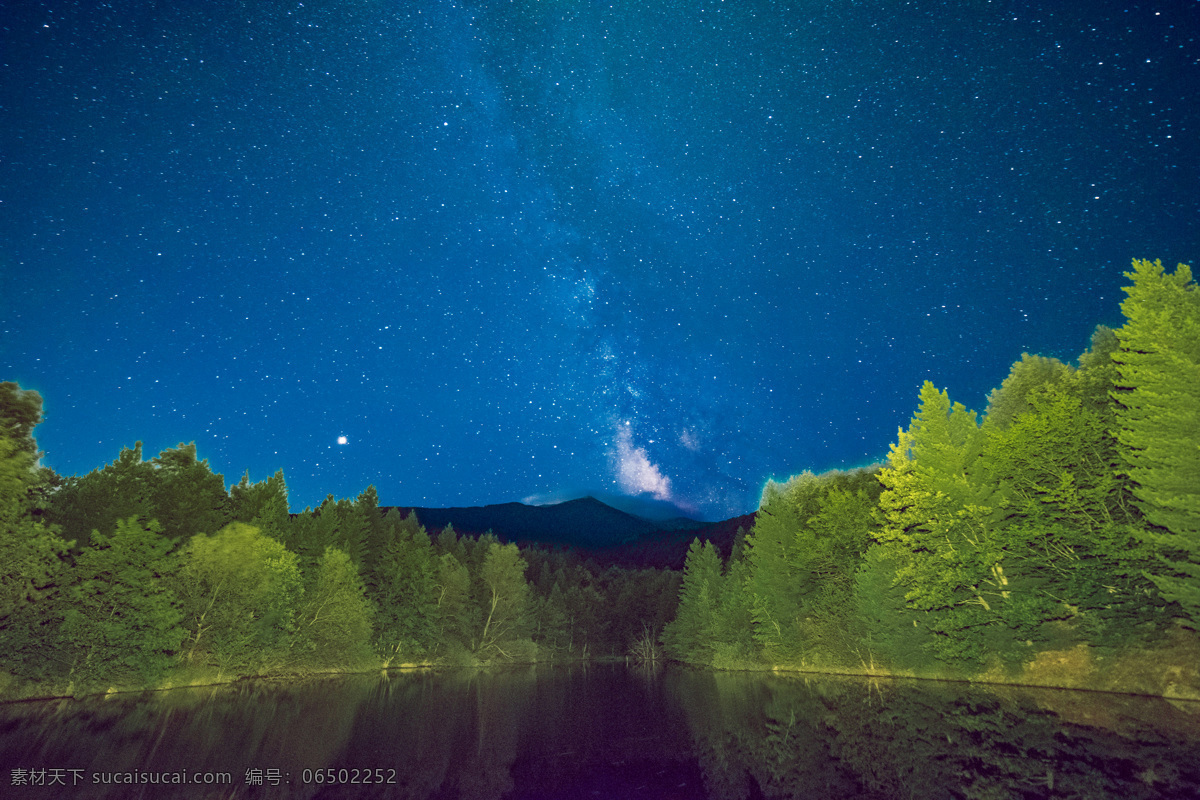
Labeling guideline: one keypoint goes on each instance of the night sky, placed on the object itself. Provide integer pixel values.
(527, 250)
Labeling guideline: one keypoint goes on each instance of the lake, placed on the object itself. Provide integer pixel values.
(603, 731)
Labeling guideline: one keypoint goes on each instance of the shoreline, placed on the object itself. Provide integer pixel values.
(1187, 692)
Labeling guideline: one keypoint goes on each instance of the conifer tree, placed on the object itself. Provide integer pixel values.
(775, 586)
(553, 630)
(691, 635)
(405, 578)
(263, 505)
(367, 503)
(1011, 400)
(311, 532)
(1158, 420)
(935, 506)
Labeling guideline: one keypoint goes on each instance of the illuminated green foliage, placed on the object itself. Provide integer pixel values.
(506, 599)
(263, 505)
(32, 554)
(333, 620)
(405, 590)
(936, 507)
(1070, 516)
(1012, 399)
(691, 636)
(175, 488)
(1158, 420)
(123, 616)
(241, 590)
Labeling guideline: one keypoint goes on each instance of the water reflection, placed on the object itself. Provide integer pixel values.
(603, 732)
(853, 738)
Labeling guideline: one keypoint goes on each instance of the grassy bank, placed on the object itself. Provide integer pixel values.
(1169, 669)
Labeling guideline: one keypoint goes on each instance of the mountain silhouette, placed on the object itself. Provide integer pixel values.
(590, 526)
(584, 522)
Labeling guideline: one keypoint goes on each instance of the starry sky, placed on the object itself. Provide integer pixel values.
(481, 252)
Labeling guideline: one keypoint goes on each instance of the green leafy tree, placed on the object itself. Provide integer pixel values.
(1158, 420)
(31, 551)
(333, 622)
(889, 633)
(186, 496)
(96, 501)
(175, 488)
(456, 613)
(124, 617)
(506, 599)
(20, 413)
(808, 536)
(1067, 542)
(241, 590)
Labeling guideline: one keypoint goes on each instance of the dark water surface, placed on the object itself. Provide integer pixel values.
(602, 732)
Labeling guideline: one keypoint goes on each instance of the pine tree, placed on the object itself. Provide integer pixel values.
(367, 503)
(1158, 420)
(691, 635)
(311, 532)
(263, 505)
(405, 578)
(935, 506)
(1012, 398)
(775, 585)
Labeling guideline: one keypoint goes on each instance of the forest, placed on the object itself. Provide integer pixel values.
(1042, 539)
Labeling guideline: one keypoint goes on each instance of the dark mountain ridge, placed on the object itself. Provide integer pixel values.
(587, 525)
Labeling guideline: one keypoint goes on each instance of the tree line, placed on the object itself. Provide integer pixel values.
(150, 571)
(1068, 515)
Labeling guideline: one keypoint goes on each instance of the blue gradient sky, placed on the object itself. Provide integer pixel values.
(525, 250)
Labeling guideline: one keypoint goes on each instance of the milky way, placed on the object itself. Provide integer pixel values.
(531, 249)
